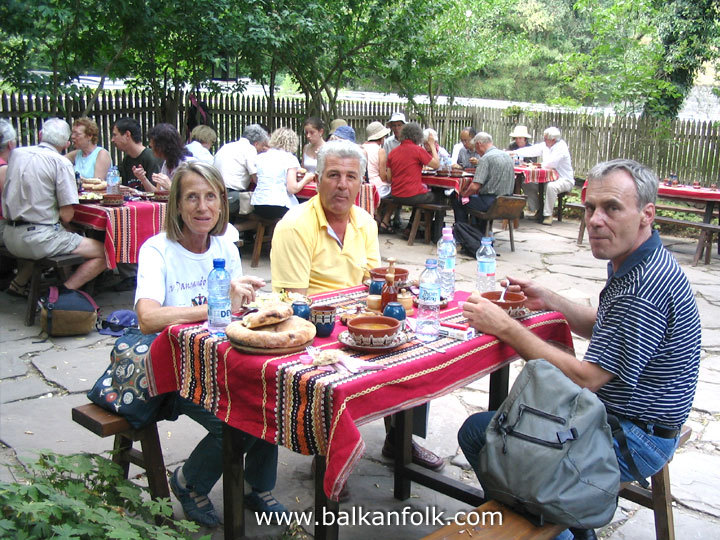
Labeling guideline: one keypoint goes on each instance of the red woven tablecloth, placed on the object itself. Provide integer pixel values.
(689, 193)
(126, 227)
(368, 199)
(537, 175)
(285, 402)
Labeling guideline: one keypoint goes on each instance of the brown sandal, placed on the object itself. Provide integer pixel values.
(15, 289)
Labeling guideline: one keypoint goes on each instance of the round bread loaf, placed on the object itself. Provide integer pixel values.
(288, 333)
(269, 314)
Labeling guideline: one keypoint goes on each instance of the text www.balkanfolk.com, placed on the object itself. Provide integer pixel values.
(357, 516)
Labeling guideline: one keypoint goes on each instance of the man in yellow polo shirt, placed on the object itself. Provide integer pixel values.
(327, 243)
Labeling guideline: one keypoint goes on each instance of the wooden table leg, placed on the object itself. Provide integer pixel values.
(541, 201)
(326, 510)
(233, 488)
(403, 453)
(499, 381)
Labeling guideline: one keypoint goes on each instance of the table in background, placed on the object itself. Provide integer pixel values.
(368, 199)
(281, 400)
(711, 199)
(126, 227)
(540, 176)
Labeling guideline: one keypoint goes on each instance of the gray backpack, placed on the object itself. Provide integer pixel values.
(549, 451)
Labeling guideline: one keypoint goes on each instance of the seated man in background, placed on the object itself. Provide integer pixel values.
(644, 352)
(467, 157)
(37, 203)
(127, 137)
(555, 155)
(494, 176)
(329, 243)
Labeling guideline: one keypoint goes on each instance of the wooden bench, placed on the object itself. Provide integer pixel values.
(426, 213)
(105, 423)
(63, 264)
(263, 233)
(509, 207)
(516, 527)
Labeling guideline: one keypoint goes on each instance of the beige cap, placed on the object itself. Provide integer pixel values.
(336, 124)
(376, 131)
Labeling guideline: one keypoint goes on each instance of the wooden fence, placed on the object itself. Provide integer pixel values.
(685, 147)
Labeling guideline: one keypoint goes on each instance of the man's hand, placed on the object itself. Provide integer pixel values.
(473, 161)
(485, 316)
(537, 297)
(139, 172)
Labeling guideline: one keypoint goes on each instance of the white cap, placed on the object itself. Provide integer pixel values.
(397, 117)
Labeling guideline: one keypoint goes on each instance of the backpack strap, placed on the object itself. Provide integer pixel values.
(619, 436)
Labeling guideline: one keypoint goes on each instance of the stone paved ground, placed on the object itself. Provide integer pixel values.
(41, 380)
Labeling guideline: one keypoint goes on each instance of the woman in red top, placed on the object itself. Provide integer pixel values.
(404, 169)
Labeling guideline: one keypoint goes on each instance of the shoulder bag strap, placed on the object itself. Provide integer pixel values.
(619, 436)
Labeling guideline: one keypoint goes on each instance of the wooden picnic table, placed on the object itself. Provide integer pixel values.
(315, 412)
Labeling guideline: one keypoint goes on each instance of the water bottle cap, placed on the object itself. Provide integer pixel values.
(431, 263)
(447, 229)
(486, 240)
(218, 263)
(447, 235)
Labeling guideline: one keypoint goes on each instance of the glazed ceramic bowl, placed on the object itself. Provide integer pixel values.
(512, 300)
(373, 331)
(401, 274)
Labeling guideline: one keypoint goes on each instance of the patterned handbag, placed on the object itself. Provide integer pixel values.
(123, 387)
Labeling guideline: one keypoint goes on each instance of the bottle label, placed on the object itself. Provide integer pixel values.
(486, 268)
(220, 314)
(429, 294)
(447, 263)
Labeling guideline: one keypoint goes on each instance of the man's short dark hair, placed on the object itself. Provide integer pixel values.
(471, 131)
(131, 125)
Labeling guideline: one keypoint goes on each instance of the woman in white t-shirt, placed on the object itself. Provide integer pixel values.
(277, 181)
(171, 289)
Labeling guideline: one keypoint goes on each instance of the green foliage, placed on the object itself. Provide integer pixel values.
(82, 496)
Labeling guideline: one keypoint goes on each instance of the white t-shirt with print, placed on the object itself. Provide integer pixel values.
(173, 276)
(271, 189)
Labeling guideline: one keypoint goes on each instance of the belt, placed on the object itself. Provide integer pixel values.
(654, 429)
(17, 222)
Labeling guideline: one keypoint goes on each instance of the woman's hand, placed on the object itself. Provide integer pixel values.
(162, 181)
(242, 290)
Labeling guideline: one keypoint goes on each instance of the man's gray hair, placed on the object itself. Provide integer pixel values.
(56, 132)
(7, 133)
(427, 132)
(255, 134)
(646, 181)
(342, 149)
(552, 133)
(482, 138)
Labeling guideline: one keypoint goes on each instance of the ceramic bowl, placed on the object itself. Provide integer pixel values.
(373, 331)
(401, 274)
(512, 300)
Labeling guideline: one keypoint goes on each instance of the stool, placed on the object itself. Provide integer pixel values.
(658, 497)
(62, 263)
(508, 207)
(260, 226)
(426, 212)
(487, 524)
(105, 423)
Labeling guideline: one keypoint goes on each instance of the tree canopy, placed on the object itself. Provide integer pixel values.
(640, 56)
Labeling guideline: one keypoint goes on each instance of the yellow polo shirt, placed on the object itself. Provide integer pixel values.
(305, 255)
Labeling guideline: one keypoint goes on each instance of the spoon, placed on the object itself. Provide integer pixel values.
(502, 296)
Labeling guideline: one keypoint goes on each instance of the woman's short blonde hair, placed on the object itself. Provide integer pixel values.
(203, 134)
(284, 139)
(173, 220)
(91, 127)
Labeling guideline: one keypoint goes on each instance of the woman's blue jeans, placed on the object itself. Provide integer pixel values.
(649, 452)
(204, 467)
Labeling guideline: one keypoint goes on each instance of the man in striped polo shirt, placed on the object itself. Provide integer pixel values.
(644, 352)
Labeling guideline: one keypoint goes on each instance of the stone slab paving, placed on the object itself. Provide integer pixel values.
(66, 367)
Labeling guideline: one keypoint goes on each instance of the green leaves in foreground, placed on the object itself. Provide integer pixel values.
(82, 496)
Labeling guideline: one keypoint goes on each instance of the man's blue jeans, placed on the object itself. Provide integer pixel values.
(204, 467)
(649, 452)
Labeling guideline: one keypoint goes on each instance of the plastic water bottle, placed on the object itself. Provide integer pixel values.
(446, 264)
(485, 256)
(219, 311)
(113, 181)
(428, 308)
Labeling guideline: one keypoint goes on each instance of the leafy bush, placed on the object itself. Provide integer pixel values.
(82, 496)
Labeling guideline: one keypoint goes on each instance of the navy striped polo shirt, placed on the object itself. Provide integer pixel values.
(647, 334)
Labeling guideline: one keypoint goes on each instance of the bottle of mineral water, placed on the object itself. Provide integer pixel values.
(485, 256)
(428, 308)
(446, 264)
(113, 181)
(219, 311)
